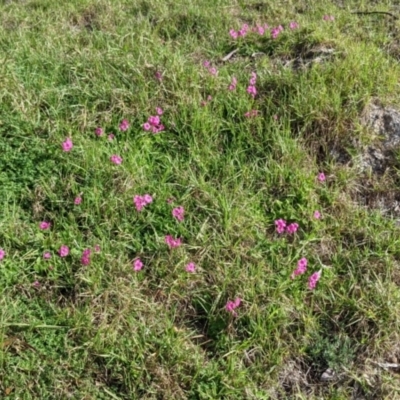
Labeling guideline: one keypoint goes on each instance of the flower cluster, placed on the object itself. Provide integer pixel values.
(172, 242)
(301, 268)
(44, 225)
(178, 213)
(67, 145)
(191, 267)
(313, 280)
(251, 89)
(85, 259)
(153, 123)
(232, 305)
(124, 125)
(251, 113)
(99, 131)
(233, 84)
(281, 226)
(276, 31)
(242, 32)
(116, 159)
(142, 201)
(211, 70)
(137, 264)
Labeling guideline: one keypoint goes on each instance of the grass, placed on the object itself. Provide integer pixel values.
(104, 331)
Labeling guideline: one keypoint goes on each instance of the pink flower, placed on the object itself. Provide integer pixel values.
(124, 125)
(141, 201)
(78, 200)
(2, 254)
(158, 76)
(137, 264)
(275, 117)
(260, 30)
(97, 248)
(111, 137)
(159, 111)
(321, 177)
(317, 215)
(46, 255)
(233, 34)
(64, 251)
(253, 79)
(172, 242)
(276, 31)
(178, 213)
(206, 63)
(153, 123)
(36, 284)
(191, 267)
(99, 131)
(293, 25)
(301, 267)
(232, 305)
(44, 225)
(115, 159)
(292, 228)
(280, 225)
(251, 113)
(313, 279)
(252, 90)
(85, 259)
(213, 71)
(148, 199)
(328, 18)
(67, 145)
(170, 200)
(233, 84)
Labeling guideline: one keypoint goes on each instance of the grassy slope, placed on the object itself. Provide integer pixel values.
(104, 331)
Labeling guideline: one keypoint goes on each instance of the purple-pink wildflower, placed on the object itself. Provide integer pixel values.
(158, 76)
(46, 255)
(67, 145)
(142, 201)
(178, 213)
(293, 25)
(276, 31)
(321, 177)
(328, 18)
(36, 284)
(232, 305)
(313, 280)
(317, 214)
(116, 159)
(172, 242)
(233, 84)
(252, 90)
(233, 34)
(85, 259)
(2, 254)
(251, 113)
(191, 267)
(97, 248)
(153, 123)
(280, 225)
(137, 264)
(44, 225)
(99, 131)
(292, 228)
(301, 267)
(111, 137)
(124, 125)
(64, 251)
(78, 200)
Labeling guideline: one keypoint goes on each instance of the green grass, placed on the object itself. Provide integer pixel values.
(104, 331)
